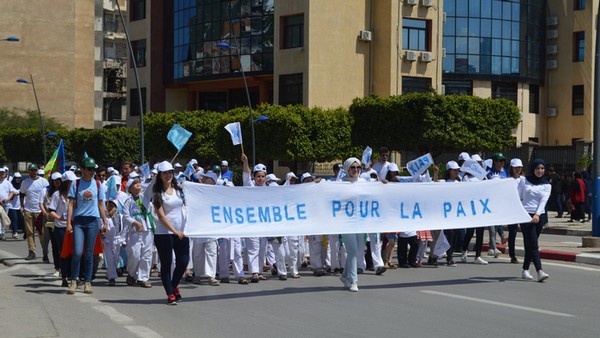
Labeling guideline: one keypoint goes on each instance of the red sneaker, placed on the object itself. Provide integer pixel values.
(177, 294)
(171, 300)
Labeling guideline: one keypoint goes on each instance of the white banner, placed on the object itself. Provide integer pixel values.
(337, 208)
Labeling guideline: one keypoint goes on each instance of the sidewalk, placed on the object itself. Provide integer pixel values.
(568, 248)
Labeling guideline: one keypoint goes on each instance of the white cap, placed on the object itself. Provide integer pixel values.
(69, 176)
(17, 174)
(193, 161)
(260, 167)
(476, 157)
(2, 170)
(225, 163)
(154, 171)
(272, 177)
(165, 166)
(211, 174)
(133, 174)
(305, 176)
(452, 165)
(290, 175)
(393, 167)
(110, 169)
(56, 176)
(130, 182)
(200, 171)
(5, 168)
(463, 156)
(118, 179)
(516, 162)
(115, 172)
(177, 165)
(40, 172)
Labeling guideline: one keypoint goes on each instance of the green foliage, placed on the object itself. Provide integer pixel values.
(427, 122)
(20, 118)
(585, 162)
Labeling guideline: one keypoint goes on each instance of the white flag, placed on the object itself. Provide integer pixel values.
(235, 130)
(418, 166)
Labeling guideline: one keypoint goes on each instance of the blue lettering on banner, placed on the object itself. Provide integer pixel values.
(239, 215)
(288, 217)
(349, 209)
(277, 213)
(263, 215)
(460, 210)
(301, 211)
(227, 215)
(250, 215)
(335, 207)
(415, 213)
(258, 214)
(214, 210)
(365, 209)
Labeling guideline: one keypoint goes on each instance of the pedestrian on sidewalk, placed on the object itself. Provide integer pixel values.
(31, 193)
(516, 169)
(577, 194)
(556, 195)
(534, 191)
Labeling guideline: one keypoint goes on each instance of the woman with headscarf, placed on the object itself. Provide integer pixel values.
(534, 191)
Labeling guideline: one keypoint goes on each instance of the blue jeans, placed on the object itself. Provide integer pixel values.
(166, 244)
(17, 220)
(531, 233)
(85, 230)
(353, 251)
(64, 264)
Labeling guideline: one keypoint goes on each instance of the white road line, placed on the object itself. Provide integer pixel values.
(491, 302)
(143, 332)
(113, 314)
(571, 265)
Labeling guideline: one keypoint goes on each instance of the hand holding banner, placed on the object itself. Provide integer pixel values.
(418, 166)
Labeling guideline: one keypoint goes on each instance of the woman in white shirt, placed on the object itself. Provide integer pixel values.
(534, 191)
(515, 171)
(168, 202)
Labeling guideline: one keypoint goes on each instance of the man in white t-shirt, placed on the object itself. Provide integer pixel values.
(7, 191)
(32, 194)
(381, 167)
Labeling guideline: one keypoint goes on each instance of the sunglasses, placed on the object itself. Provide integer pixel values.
(355, 167)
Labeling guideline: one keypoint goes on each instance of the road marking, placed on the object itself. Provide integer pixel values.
(113, 314)
(573, 265)
(143, 332)
(491, 302)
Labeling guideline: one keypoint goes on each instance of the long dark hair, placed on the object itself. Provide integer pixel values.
(64, 188)
(158, 189)
(52, 188)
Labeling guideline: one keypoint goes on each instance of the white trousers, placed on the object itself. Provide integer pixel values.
(279, 252)
(293, 254)
(318, 253)
(204, 254)
(252, 250)
(338, 252)
(139, 254)
(111, 256)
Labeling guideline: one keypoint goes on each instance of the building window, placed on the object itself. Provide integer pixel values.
(534, 99)
(458, 87)
(293, 31)
(577, 100)
(137, 10)
(415, 34)
(134, 102)
(578, 46)
(290, 89)
(415, 84)
(579, 5)
(139, 51)
(504, 90)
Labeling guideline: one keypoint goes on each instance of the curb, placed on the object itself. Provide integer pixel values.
(585, 258)
(566, 232)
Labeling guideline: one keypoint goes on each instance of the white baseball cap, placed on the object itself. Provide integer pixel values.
(452, 165)
(290, 175)
(110, 169)
(177, 165)
(133, 174)
(40, 172)
(305, 176)
(165, 166)
(193, 161)
(210, 174)
(516, 162)
(56, 176)
(131, 181)
(393, 167)
(225, 163)
(69, 176)
(17, 174)
(476, 157)
(463, 156)
(260, 167)
(272, 177)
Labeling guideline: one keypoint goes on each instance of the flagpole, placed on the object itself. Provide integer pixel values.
(174, 157)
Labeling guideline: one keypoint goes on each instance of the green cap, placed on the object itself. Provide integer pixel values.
(216, 168)
(88, 162)
(498, 157)
(32, 166)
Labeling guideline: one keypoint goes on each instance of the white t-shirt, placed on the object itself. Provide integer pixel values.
(173, 208)
(5, 189)
(59, 204)
(34, 193)
(381, 169)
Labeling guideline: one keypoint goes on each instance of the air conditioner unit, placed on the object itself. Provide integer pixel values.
(427, 3)
(411, 2)
(410, 55)
(426, 57)
(365, 36)
(443, 52)
(551, 49)
(552, 64)
(443, 89)
(552, 21)
(552, 34)
(551, 111)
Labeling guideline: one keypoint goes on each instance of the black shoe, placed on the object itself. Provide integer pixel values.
(404, 266)
(65, 283)
(304, 265)
(130, 280)
(283, 277)
(111, 282)
(225, 280)
(380, 270)
(274, 270)
(319, 273)
(514, 260)
(255, 279)
(31, 256)
(46, 260)
(558, 216)
(360, 271)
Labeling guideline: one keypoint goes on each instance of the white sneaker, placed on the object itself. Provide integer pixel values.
(526, 275)
(353, 287)
(480, 261)
(464, 257)
(491, 252)
(56, 273)
(346, 281)
(497, 253)
(542, 276)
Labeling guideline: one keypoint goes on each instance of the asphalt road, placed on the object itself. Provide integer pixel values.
(464, 301)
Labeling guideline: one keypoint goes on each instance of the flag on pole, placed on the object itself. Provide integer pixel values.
(235, 130)
(178, 136)
(111, 189)
(57, 161)
(366, 156)
(189, 171)
(145, 170)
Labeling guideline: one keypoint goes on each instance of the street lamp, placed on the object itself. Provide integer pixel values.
(228, 46)
(11, 39)
(21, 80)
(262, 118)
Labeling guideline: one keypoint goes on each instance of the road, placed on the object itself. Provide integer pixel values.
(465, 301)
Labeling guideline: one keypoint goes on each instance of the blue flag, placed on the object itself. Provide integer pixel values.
(235, 130)
(145, 170)
(189, 171)
(178, 136)
(111, 189)
(85, 155)
(366, 156)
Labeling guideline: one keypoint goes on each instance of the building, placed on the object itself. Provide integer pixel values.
(325, 53)
(62, 45)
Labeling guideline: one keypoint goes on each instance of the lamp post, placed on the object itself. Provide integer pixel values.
(227, 46)
(32, 83)
(11, 39)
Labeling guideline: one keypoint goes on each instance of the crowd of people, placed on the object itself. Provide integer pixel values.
(139, 219)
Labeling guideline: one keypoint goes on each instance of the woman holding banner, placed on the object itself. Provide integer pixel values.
(349, 277)
(534, 191)
(169, 203)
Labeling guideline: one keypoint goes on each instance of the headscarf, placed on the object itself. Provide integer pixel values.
(531, 177)
(347, 165)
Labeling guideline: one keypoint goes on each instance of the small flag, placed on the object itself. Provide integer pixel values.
(189, 171)
(366, 156)
(145, 170)
(474, 168)
(235, 130)
(418, 166)
(57, 161)
(85, 155)
(178, 136)
(111, 189)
